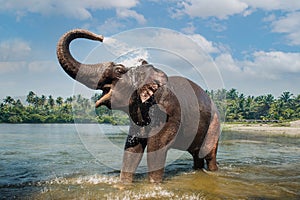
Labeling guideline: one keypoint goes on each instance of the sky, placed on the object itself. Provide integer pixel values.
(252, 45)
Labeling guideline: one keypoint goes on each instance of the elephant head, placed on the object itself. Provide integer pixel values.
(118, 83)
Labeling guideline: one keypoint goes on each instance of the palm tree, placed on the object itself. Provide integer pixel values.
(286, 97)
(19, 104)
(241, 101)
(232, 94)
(69, 100)
(249, 108)
(51, 101)
(287, 111)
(42, 100)
(296, 107)
(79, 99)
(269, 99)
(266, 103)
(59, 101)
(31, 97)
(9, 100)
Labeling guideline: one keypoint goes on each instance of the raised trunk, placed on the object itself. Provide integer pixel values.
(94, 76)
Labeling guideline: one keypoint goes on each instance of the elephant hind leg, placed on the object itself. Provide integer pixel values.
(211, 159)
(211, 143)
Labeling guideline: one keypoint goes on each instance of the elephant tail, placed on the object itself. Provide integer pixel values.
(210, 143)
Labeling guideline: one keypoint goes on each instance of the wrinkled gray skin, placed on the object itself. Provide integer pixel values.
(165, 112)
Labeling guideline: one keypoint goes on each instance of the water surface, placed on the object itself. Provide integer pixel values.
(64, 161)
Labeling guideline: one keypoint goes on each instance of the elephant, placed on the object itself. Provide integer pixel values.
(165, 111)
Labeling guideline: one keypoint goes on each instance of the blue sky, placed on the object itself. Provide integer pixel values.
(254, 44)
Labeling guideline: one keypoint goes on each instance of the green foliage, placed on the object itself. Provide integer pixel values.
(239, 107)
(40, 109)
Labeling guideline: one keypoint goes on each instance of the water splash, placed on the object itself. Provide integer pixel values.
(152, 192)
(93, 179)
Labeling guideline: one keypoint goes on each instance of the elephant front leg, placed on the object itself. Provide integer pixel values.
(157, 147)
(156, 163)
(134, 149)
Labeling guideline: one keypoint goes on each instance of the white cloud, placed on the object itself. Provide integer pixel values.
(277, 62)
(223, 9)
(290, 25)
(7, 67)
(117, 47)
(189, 29)
(15, 55)
(206, 45)
(273, 65)
(126, 13)
(110, 25)
(220, 9)
(262, 72)
(269, 18)
(213, 8)
(75, 9)
(14, 50)
(227, 63)
(287, 5)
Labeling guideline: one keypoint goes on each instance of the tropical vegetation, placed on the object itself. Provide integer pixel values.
(233, 105)
(42, 109)
(236, 106)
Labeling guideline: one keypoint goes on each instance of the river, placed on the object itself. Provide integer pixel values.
(82, 161)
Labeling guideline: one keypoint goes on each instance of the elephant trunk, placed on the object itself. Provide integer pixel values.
(93, 76)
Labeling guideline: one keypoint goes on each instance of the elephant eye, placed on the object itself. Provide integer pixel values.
(119, 71)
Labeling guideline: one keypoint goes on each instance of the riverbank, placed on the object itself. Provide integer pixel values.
(289, 128)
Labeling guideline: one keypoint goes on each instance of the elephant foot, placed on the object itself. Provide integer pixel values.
(126, 177)
(211, 160)
(212, 165)
(198, 164)
(156, 176)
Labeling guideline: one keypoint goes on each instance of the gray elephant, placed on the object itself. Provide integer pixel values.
(165, 112)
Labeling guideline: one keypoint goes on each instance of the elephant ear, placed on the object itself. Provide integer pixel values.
(152, 78)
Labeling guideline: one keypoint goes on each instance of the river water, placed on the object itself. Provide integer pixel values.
(69, 161)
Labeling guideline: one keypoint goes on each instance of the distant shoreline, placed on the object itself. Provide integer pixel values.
(290, 128)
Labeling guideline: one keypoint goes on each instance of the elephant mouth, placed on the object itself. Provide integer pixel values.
(105, 97)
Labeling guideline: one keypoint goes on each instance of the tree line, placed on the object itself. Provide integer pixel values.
(238, 107)
(235, 106)
(42, 109)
